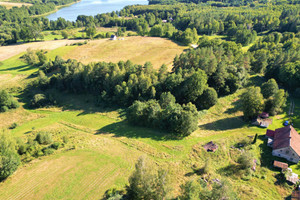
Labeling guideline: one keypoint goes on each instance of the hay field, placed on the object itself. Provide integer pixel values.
(137, 49)
(12, 50)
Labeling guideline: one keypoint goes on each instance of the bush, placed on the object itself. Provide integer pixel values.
(65, 139)
(7, 102)
(40, 100)
(246, 160)
(44, 138)
(48, 151)
(55, 145)
(13, 125)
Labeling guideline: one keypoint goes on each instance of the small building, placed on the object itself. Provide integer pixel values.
(280, 165)
(286, 143)
(264, 115)
(262, 122)
(113, 37)
(291, 177)
(164, 21)
(210, 147)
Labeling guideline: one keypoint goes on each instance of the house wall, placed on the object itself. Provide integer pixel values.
(287, 153)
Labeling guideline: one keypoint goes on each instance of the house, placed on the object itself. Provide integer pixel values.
(164, 21)
(280, 165)
(285, 143)
(262, 122)
(210, 147)
(113, 37)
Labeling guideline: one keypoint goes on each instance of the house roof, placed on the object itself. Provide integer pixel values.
(280, 164)
(287, 137)
(270, 133)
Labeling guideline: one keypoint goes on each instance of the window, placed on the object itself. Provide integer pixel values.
(280, 150)
(279, 154)
(293, 154)
(291, 158)
(287, 152)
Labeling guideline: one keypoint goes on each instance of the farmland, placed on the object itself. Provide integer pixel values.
(103, 149)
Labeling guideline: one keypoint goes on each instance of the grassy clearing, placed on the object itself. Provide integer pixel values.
(137, 49)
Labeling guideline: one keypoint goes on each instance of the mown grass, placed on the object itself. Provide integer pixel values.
(139, 50)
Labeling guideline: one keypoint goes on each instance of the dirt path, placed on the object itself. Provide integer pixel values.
(12, 50)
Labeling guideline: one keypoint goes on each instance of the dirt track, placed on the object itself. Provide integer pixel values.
(12, 50)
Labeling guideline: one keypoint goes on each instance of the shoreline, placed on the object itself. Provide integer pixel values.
(56, 9)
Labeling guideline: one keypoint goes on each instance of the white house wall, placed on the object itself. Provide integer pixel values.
(287, 153)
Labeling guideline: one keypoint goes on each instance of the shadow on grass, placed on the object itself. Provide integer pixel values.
(20, 68)
(237, 105)
(224, 124)
(230, 170)
(123, 129)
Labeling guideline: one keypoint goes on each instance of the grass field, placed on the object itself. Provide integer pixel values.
(102, 148)
(137, 49)
(13, 50)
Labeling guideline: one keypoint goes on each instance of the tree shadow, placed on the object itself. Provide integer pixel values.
(19, 68)
(229, 170)
(224, 124)
(123, 129)
(237, 105)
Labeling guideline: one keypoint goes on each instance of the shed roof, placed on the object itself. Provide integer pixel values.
(281, 165)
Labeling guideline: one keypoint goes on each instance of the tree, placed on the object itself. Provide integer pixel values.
(192, 87)
(269, 88)
(252, 102)
(65, 34)
(9, 158)
(166, 99)
(91, 31)
(145, 183)
(208, 99)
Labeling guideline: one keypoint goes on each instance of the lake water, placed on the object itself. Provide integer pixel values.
(93, 7)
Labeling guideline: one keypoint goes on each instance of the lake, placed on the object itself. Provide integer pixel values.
(93, 7)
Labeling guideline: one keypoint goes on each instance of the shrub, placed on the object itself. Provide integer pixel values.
(44, 138)
(48, 151)
(65, 139)
(13, 125)
(7, 102)
(40, 100)
(245, 160)
(55, 145)
(22, 149)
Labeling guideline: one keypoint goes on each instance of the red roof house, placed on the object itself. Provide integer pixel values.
(286, 143)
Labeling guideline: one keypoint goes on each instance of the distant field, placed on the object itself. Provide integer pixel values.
(137, 49)
(12, 50)
(9, 5)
